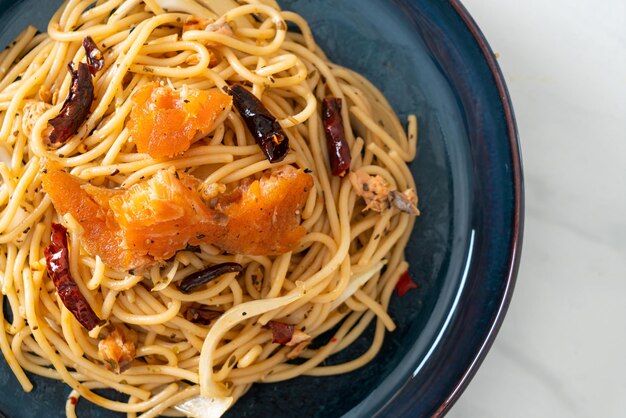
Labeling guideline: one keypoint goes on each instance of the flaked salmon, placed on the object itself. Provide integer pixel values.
(164, 121)
(153, 219)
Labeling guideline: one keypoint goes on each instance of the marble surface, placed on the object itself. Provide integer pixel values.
(561, 350)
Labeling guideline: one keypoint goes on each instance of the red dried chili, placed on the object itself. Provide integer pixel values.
(75, 108)
(338, 149)
(405, 284)
(281, 332)
(202, 316)
(95, 58)
(58, 262)
(78, 102)
(263, 126)
(195, 280)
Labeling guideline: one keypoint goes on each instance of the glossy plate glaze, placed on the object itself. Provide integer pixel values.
(428, 58)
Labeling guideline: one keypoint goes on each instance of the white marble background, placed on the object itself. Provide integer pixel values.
(561, 351)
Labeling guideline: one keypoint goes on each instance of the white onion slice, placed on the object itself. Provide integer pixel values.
(356, 283)
(201, 407)
(238, 313)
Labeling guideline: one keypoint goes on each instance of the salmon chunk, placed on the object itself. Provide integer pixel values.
(266, 219)
(118, 350)
(87, 204)
(153, 219)
(165, 214)
(164, 121)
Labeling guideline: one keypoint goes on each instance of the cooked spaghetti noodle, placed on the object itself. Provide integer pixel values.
(339, 276)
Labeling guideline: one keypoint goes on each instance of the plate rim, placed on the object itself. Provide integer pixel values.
(406, 400)
(516, 241)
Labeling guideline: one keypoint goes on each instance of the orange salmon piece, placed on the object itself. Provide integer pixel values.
(155, 218)
(163, 123)
(164, 214)
(101, 235)
(266, 219)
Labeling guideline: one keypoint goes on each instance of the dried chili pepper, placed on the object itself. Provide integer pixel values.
(95, 58)
(285, 334)
(193, 281)
(202, 316)
(264, 127)
(75, 108)
(281, 333)
(78, 102)
(405, 284)
(58, 263)
(338, 149)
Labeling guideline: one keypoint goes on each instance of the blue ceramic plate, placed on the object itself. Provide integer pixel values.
(428, 58)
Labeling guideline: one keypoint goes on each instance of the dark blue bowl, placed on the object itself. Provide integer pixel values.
(428, 58)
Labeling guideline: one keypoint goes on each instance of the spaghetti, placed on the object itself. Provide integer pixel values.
(167, 343)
